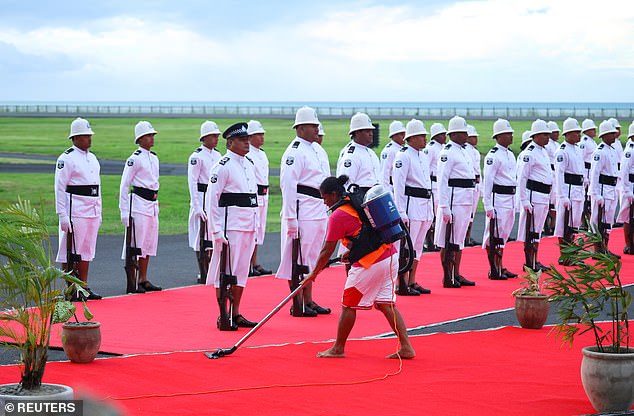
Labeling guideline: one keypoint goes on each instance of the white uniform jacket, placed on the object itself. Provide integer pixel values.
(569, 172)
(455, 172)
(301, 166)
(233, 177)
(604, 173)
(361, 165)
(323, 157)
(499, 182)
(387, 163)
(432, 150)
(261, 165)
(534, 176)
(140, 170)
(199, 172)
(412, 185)
(76, 168)
(626, 174)
(587, 146)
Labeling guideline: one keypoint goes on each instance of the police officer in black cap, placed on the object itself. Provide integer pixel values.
(233, 218)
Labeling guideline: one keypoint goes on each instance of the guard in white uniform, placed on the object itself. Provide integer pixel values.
(78, 200)
(198, 174)
(551, 147)
(323, 156)
(412, 193)
(233, 217)
(588, 146)
(261, 162)
(397, 140)
(140, 202)
(498, 195)
(626, 175)
(304, 214)
(534, 180)
(359, 163)
(438, 137)
(603, 180)
(456, 186)
(619, 151)
(472, 142)
(569, 176)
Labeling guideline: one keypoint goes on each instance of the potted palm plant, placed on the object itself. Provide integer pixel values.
(588, 292)
(30, 289)
(531, 304)
(80, 339)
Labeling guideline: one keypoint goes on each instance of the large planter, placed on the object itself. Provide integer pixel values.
(531, 311)
(46, 392)
(81, 341)
(608, 379)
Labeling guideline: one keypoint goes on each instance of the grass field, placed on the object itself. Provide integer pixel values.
(176, 140)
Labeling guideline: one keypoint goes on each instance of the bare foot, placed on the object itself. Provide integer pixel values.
(331, 353)
(404, 354)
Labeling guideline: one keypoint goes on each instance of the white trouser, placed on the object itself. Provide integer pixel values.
(609, 208)
(145, 235)
(505, 218)
(85, 230)
(461, 219)
(540, 212)
(575, 221)
(418, 232)
(312, 233)
(241, 245)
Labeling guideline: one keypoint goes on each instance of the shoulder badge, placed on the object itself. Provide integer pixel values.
(398, 163)
(250, 160)
(290, 160)
(443, 158)
(627, 154)
(60, 164)
(347, 163)
(193, 161)
(560, 158)
(351, 149)
(223, 160)
(596, 156)
(214, 178)
(495, 149)
(295, 145)
(383, 155)
(526, 158)
(582, 146)
(137, 152)
(489, 160)
(130, 162)
(200, 149)
(426, 151)
(69, 150)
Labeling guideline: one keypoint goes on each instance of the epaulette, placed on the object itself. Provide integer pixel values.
(250, 160)
(431, 143)
(137, 152)
(216, 150)
(448, 146)
(631, 145)
(69, 150)
(351, 149)
(200, 149)
(585, 137)
(153, 153)
(389, 144)
(403, 149)
(563, 146)
(601, 146)
(531, 147)
(295, 145)
(495, 149)
(224, 160)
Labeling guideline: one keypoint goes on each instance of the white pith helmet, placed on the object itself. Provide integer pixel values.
(305, 115)
(396, 127)
(553, 126)
(414, 128)
(207, 128)
(321, 130)
(606, 127)
(436, 129)
(79, 127)
(539, 126)
(570, 124)
(526, 136)
(471, 131)
(360, 121)
(254, 127)
(142, 128)
(501, 126)
(614, 122)
(457, 124)
(630, 131)
(588, 124)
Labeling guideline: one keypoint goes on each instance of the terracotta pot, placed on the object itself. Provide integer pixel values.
(81, 340)
(608, 379)
(46, 392)
(531, 311)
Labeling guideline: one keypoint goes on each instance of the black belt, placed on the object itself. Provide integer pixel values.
(504, 189)
(417, 192)
(228, 199)
(631, 176)
(607, 180)
(145, 193)
(202, 187)
(263, 189)
(538, 186)
(433, 178)
(572, 179)
(588, 165)
(462, 183)
(83, 190)
(308, 190)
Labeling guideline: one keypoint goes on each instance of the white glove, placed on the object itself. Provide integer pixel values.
(219, 239)
(405, 219)
(565, 202)
(125, 220)
(599, 200)
(64, 223)
(292, 228)
(200, 214)
(527, 206)
(447, 216)
(490, 213)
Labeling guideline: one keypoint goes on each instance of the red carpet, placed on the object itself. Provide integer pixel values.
(508, 371)
(185, 319)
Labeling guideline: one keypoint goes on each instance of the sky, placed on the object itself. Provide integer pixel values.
(365, 50)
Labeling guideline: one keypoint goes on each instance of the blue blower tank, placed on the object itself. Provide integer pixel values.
(380, 209)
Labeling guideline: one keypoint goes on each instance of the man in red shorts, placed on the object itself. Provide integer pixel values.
(371, 279)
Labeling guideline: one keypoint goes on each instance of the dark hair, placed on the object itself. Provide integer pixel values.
(332, 184)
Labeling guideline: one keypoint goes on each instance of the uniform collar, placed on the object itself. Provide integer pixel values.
(205, 148)
(399, 145)
(353, 143)
(143, 150)
(254, 149)
(306, 142)
(83, 152)
(234, 155)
